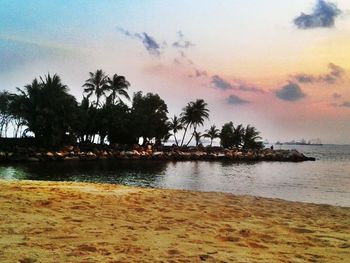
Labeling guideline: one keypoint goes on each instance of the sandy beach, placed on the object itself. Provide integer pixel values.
(80, 222)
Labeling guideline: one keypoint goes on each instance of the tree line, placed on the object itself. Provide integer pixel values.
(45, 109)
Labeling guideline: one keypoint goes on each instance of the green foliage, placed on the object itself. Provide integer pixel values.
(97, 85)
(226, 135)
(251, 138)
(120, 127)
(175, 125)
(212, 133)
(240, 137)
(197, 137)
(47, 110)
(149, 117)
(118, 87)
(194, 115)
(5, 115)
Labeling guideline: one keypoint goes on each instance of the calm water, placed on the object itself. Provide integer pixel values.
(325, 181)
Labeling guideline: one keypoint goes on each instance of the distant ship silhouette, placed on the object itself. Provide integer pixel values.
(315, 142)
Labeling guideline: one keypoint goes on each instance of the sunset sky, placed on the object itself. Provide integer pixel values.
(283, 66)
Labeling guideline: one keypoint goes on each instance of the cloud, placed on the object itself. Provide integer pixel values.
(235, 100)
(336, 95)
(290, 92)
(127, 32)
(335, 73)
(200, 73)
(305, 78)
(249, 88)
(345, 104)
(152, 46)
(323, 16)
(182, 42)
(220, 83)
(184, 57)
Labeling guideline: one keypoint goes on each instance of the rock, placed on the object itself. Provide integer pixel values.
(50, 155)
(27, 260)
(33, 159)
(204, 257)
(72, 158)
(3, 156)
(90, 156)
(344, 245)
(60, 155)
(69, 148)
(128, 154)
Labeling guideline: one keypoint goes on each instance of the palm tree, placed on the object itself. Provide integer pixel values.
(197, 137)
(238, 133)
(5, 113)
(175, 126)
(193, 115)
(118, 86)
(47, 110)
(250, 138)
(212, 133)
(96, 84)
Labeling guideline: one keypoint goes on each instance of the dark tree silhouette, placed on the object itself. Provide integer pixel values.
(96, 84)
(5, 114)
(118, 87)
(240, 137)
(197, 137)
(48, 110)
(149, 115)
(175, 126)
(226, 135)
(194, 115)
(212, 133)
(251, 138)
(238, 133)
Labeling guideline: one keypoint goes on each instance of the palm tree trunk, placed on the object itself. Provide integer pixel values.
(190, 139)
(183, 137)
(211, 142)
(17, 129)
(194, 130)
(97, 101)
(177, 144)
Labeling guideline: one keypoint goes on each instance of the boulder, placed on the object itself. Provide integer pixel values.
(32, 159)
(50, 155)
(72, 158)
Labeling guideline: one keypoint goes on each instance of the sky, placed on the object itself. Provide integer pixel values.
(282, 66)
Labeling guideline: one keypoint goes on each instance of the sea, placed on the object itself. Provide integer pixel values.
(324, 181)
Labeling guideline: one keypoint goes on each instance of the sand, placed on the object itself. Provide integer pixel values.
(80, 222)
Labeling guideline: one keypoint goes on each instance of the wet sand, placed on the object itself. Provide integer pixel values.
(79, 222)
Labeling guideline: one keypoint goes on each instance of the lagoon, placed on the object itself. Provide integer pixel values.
(326, 181)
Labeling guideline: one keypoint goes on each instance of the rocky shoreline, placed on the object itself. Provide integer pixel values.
(74, 153)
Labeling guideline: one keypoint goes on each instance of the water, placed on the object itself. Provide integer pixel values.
(325, 181)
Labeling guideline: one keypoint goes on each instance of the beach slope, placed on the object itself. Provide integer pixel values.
(80, 222)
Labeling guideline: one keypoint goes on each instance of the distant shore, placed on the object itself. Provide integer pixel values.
(81, 222)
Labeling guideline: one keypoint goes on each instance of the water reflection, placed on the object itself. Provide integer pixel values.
(324, 181)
